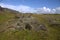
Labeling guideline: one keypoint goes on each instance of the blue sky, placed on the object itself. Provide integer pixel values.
(46, 5)
(34, 3)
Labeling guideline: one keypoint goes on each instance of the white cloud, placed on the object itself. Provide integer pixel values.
(21, 8)
(27, 9)
(53, 10)
(43, 10)
(58, 10)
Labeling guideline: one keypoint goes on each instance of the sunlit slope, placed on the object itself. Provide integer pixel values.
(5, 16)
(51, 21)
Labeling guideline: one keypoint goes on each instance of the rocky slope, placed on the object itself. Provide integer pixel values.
(24, 22)
(28, 26)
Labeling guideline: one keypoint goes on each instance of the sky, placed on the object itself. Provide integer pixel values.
(33, 6)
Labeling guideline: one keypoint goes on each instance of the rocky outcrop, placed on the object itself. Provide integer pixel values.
(25, 23)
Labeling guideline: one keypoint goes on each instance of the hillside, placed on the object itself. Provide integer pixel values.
(28, 26)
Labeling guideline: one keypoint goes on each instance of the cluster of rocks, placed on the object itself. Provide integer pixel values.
(53, 22)
(25, 23)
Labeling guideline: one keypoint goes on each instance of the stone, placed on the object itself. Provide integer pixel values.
(41, 27)
(28, 26)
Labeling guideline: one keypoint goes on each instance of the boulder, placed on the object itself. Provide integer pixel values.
(28, 26)
(41, 27)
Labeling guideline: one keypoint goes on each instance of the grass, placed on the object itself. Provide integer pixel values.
(23, 35)
(53, 32)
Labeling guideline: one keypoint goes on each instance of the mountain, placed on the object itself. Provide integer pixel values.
(28, 26)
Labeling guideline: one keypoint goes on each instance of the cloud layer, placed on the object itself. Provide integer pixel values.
(27, 9)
